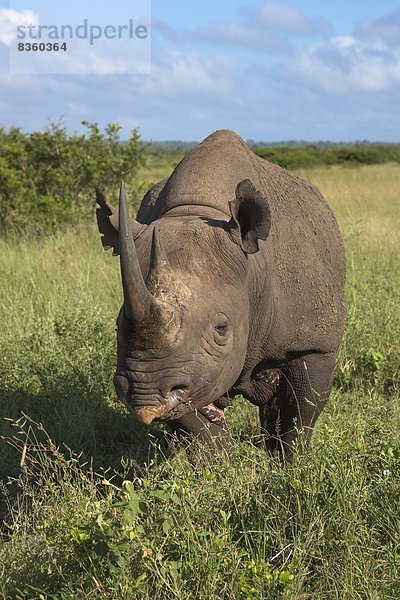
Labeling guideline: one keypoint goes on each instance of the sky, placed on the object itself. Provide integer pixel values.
(270, 70)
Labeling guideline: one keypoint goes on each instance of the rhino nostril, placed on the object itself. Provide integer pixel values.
(180, 392)
(177, 395)
(179, 388)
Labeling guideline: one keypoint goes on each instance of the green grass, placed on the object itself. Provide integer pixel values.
(160, 163)
(243, 526)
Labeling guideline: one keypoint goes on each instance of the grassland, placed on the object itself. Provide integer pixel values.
(91, 508)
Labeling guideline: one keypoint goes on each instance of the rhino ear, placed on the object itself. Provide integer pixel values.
(108, 223)
(251, 215)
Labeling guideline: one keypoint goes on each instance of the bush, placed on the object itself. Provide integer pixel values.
(47, 179)
(300, 157)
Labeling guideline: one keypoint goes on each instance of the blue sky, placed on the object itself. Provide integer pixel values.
(270, 70)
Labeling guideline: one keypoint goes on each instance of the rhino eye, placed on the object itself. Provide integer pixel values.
(222, 329)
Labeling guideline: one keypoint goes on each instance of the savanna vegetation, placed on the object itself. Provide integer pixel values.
(299, 157)
(47, 177)
(94, 505)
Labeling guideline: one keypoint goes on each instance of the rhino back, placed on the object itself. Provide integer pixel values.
(205, 178)
(307, 275)
(300, 269)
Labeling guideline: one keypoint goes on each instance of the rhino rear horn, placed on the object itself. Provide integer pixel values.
(160, 279)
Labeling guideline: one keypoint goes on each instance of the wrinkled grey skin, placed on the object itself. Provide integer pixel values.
(233, 277)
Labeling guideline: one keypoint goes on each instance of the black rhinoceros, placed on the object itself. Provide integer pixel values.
(233, 275)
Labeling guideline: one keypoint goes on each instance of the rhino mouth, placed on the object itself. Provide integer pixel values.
(147, 406)
(171, 407)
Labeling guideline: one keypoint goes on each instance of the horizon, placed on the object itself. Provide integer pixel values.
(294, 142)
(249, 141)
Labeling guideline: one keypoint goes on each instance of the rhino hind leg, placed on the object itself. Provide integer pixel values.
(304, 388)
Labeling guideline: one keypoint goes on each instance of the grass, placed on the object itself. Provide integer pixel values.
(159, 164)
(96, 506)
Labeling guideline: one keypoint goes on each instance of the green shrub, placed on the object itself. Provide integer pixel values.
(47, 179)
(300, 157)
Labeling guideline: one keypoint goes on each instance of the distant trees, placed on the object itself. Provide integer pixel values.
(299, 157)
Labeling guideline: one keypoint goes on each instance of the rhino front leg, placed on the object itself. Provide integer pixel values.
(206, 424)
(304, 388)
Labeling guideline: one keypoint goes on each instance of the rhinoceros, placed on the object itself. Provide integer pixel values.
(233, 283)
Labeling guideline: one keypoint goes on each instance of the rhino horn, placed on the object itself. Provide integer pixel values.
(138, 301)
(160, 280)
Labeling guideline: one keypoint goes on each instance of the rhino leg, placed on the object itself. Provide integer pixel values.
(304, 388)
(206, 424)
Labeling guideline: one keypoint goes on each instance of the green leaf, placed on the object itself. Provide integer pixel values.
(166, 526)
(286, 578)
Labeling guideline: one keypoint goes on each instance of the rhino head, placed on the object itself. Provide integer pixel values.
(183, 327)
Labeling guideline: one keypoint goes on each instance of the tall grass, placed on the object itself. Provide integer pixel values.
(94, 505)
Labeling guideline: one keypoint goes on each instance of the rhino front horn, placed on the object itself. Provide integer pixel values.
(138, 301)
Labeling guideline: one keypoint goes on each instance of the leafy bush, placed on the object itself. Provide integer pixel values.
(47, 179)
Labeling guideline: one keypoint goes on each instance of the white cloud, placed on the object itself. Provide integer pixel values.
(225, 33)
(168, 32)
(179, 74)
(10, 20)
(268, 27)
(103, 58)
(386, 29)
(345, 65)
(240, 34)
(286, 18)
